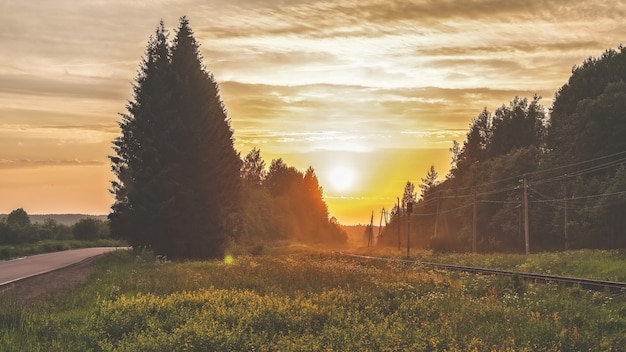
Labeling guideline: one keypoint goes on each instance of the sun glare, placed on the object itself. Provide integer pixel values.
(341, 178)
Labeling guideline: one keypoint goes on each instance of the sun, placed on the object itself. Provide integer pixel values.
(341, 178)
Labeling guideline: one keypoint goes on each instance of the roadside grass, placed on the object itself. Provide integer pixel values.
(47, 246)
(586, 263)
(301, 299)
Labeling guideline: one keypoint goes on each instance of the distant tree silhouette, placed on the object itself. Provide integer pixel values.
(89, 229)
(429, 182)
(282, 179)
(178, 172)
(409, 195)
(519, 125)
(478, 138)
(253, 168)
(283, 203)
(18, 218)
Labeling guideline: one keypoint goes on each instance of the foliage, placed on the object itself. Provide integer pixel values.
(17, 232)
(429, 182)
(90, 229)
(177, 169)
(586, 84)
(573, 165)
(408, 195)
(253, 169)
(18, 218)
(309, 300)
(284, 204)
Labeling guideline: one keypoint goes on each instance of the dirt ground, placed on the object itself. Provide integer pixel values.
(33, 289)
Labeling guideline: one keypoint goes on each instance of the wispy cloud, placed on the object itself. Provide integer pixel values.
(302, 78)
(6, 164)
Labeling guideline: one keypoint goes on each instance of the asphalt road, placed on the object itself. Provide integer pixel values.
(17, 269)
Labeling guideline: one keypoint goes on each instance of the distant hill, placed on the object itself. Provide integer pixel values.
(65, 219)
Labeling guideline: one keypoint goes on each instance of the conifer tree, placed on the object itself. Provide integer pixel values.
(176, 164)
(207, 166)
(137, 161)
(429, 181)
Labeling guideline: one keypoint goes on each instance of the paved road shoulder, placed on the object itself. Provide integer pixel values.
(22, 268)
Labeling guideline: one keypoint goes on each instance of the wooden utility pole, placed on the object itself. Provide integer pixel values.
(565, 215)
(474, 218)
(436, 217)
(409, 210)
(380, 224)
(370, 231)
(399, 215)
(525, 204)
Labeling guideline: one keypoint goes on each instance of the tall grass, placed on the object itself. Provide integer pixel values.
(307, 300)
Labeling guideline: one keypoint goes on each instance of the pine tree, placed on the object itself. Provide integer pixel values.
(408, 196)
(176, 164)
(429, 181)
(137, 160)
(206, 180)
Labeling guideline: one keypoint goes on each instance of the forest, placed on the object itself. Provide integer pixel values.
(529, 178)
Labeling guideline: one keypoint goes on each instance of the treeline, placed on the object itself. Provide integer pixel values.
(182, 189)
(558, 179)
(283, 203)
(16, 229)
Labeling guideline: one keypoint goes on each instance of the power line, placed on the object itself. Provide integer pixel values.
(609, 164)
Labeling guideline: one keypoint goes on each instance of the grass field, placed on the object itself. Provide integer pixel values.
(300, 299)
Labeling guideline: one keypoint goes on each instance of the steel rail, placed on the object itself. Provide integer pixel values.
(589, 284)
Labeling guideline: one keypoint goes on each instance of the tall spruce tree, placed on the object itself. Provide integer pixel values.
(137, 161)
(176, 164)
(207, 178)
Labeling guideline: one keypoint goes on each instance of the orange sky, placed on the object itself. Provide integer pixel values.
(376, 88)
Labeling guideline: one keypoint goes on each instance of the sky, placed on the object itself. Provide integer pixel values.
(369, 93)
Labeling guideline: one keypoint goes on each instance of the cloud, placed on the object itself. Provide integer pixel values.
(6, 164)
(327, 19)
(265, 113)
(65, 86)
(296, 76)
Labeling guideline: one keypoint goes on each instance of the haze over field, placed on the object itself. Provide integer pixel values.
(370, 93)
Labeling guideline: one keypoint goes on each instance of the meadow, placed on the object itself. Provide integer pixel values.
(300, 299)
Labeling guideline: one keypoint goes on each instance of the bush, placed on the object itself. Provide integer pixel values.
(90, 230)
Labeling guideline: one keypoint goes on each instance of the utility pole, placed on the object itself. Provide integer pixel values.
(370, 231)
(380, 225)
(525, 205)
(409, 210)
(399, 215)
(565, 214)
(436, 216)
(474, 218)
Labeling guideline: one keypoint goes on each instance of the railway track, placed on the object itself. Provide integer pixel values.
(589, 284)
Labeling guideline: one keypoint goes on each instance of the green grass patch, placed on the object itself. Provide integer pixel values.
(308, 300)
(585, 263)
